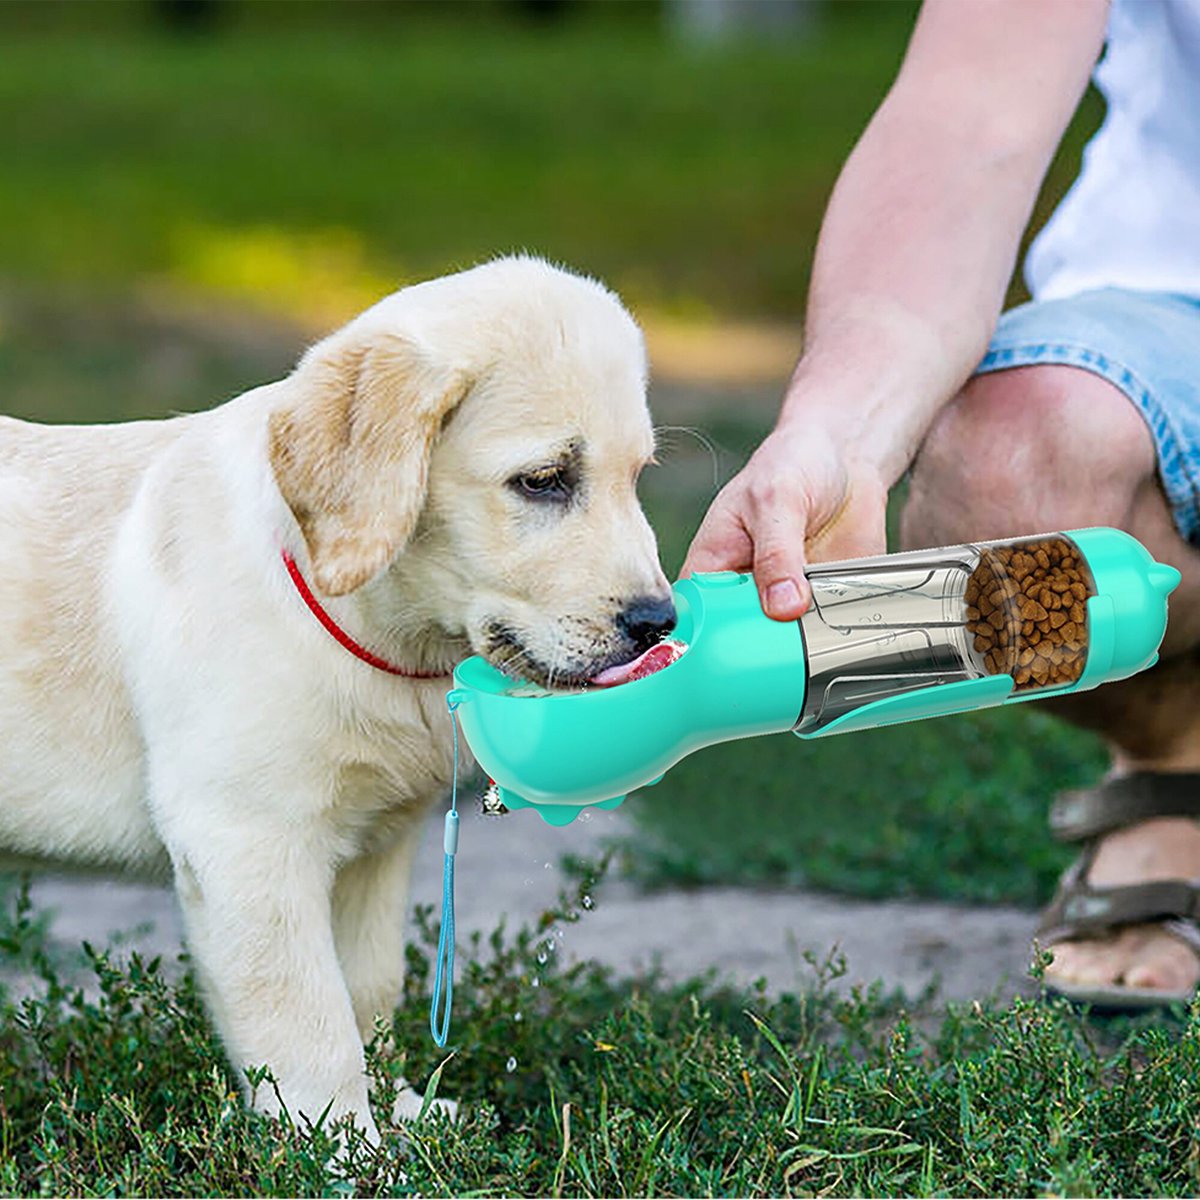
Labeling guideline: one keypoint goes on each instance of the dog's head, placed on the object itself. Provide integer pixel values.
(474, 443)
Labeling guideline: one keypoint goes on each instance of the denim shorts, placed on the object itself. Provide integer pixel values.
(1145, 343)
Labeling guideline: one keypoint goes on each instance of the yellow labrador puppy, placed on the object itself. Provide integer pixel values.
(225, 638)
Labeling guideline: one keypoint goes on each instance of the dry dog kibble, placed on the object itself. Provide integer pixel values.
(1027, 611)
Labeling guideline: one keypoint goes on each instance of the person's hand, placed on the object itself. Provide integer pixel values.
(798, 499)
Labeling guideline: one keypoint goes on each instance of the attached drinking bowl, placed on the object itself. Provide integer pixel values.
(741, 674)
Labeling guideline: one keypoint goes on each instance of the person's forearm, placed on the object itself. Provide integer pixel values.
(923, 228)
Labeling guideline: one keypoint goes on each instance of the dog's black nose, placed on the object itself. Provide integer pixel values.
(646, 620)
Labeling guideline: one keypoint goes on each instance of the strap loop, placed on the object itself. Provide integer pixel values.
(443, 975)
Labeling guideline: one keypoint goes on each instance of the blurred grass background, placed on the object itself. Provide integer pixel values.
(277, 154)
(191, 192)
(304, 156)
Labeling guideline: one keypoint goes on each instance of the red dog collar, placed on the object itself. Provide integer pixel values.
(341, 636)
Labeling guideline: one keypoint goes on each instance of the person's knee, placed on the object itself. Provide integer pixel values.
(1027, 450)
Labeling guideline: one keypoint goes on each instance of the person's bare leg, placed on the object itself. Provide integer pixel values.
(1043, 448)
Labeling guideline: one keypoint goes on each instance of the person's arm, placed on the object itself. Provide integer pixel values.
(916, 250)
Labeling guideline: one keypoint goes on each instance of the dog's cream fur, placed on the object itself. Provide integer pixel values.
(167, 702)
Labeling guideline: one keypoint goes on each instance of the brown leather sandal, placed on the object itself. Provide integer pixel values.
(1080, 910)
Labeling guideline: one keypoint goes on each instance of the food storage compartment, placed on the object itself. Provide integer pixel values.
(902, 624)
(1027, 611)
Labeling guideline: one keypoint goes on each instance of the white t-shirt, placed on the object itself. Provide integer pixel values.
(1132, 218)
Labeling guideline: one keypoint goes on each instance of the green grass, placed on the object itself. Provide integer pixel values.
(72, 356)
(575, 1083)
(953, 808)
(292, 162)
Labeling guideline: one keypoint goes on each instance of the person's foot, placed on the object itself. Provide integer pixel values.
(1138, 956)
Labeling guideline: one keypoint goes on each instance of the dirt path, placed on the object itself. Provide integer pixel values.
(509, 866)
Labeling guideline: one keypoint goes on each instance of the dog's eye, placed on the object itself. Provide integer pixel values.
(548, 483)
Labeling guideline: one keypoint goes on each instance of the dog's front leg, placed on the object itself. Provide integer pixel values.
(370, 903)
(255, 893)
(369, 908)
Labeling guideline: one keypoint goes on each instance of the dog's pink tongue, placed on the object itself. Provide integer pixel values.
(655, 659)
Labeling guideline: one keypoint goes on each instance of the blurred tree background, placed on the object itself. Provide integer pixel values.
(191, 190)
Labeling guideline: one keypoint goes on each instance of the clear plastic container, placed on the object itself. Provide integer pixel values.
(885, 626)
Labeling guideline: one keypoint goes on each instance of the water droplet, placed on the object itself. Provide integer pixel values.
(545, 866)
(585, 816)
(511, 1065)
(587, 902)
(517, 1015)
(528, 882)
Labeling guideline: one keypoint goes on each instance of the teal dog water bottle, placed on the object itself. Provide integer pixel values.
(887, 639)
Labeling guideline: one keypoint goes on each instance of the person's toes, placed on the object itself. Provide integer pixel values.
(1164, 964)
(1143, 957)
(1063, 962)
(1084, 962)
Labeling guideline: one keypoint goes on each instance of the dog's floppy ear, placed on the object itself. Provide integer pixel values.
(351, 452)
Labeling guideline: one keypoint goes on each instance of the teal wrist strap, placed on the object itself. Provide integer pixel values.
(443, 975)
